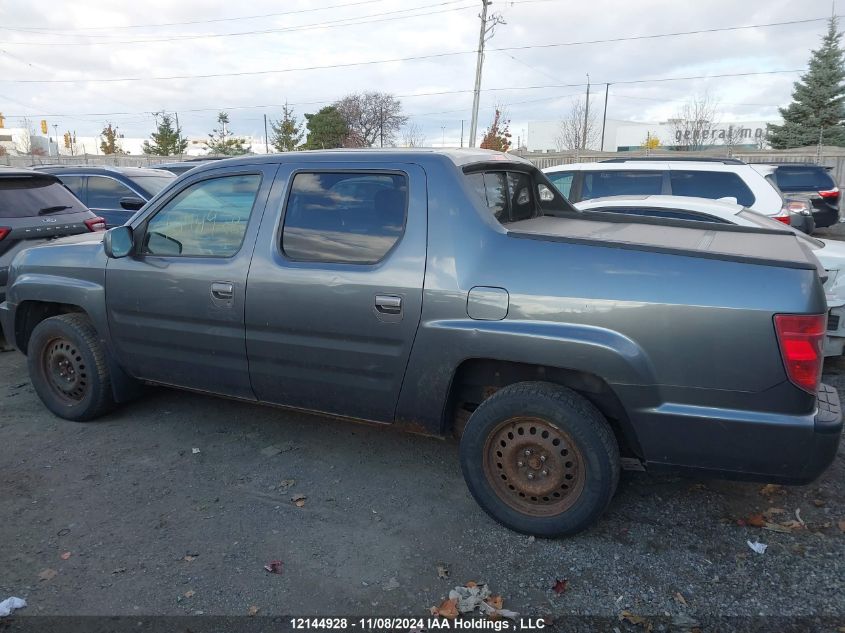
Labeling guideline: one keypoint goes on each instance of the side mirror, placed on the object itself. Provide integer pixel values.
(131, 203)
(118, 242)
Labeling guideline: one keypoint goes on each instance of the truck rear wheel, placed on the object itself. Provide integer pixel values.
(540, 459)
(67, 366)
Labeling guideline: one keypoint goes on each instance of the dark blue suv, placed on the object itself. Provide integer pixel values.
(113, 193)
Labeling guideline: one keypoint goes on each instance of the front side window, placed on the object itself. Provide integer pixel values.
(206, 219)
(562, 180)
(349, 218)
(601, 184)
(105, 193)
(711, 184)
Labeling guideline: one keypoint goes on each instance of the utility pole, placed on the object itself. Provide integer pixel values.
(443, 138)
(586, 116)
(266, 144)
(462, 132)
(604, 117)
(56, 136)
(485, 33)
(178, 134)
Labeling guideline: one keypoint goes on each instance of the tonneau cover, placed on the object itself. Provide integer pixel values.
(688, 238)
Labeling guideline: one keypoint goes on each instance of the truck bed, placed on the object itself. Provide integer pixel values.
(696, 239)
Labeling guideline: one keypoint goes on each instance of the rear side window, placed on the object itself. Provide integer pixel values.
(105, 193)
(803, 179)
(599, 184)
(33, 196)
(562, 180)
(508, 195)
(711, 184)
(348, 218)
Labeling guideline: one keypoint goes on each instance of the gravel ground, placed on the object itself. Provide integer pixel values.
(173, 505)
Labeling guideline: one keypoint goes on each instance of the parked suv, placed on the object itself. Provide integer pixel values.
(699, 178)
(34, 208)
(812, 181)
(115, 193)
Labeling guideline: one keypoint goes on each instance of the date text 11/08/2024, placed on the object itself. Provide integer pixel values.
(419, 624)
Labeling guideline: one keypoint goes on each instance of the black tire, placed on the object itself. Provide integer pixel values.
(68, 368)
(576, 478)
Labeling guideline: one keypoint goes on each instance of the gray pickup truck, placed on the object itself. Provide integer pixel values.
(448, 293)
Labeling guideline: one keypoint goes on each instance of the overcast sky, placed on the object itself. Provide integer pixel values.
(90, 40)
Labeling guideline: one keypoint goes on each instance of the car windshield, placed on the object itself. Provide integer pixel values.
(28, 196)
(803, 179)
(154, 184)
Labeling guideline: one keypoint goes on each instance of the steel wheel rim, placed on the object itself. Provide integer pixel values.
(533, 466)
(65, 370)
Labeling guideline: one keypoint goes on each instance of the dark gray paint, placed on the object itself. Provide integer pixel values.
(682, 337)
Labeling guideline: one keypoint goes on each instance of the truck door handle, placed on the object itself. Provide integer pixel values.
(222, 290)
(389, 304)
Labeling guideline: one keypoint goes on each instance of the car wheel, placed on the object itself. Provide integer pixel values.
(540, 459)
(68, 369)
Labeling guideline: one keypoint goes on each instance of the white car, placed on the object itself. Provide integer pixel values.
(694, 177)
(830, 253)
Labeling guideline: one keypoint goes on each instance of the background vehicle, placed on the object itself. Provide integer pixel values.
(812, 181)
(699, 178)
(449, 292)
(35, 208)
(179, 168)
(115, 193)
(830, 253)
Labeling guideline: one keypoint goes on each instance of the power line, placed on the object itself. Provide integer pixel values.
(341, 22)
(446, 92)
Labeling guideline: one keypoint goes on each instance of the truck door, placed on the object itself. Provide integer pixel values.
(334, 293)
(176, 307)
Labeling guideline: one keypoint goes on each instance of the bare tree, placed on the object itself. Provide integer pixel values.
(373, 118)
(24, 146)
(694, 122)
(570, 134)
(413, 136)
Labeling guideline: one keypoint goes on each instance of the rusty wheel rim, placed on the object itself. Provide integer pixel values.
(65, 370)
(533, 466)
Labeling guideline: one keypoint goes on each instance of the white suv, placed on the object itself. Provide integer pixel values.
(700, 178)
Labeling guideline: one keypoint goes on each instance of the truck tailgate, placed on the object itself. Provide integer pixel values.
(779, 248)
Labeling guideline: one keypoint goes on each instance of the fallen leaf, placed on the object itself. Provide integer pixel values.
(442, 570)
(119, 570)
(47, 574)
(560, 586)
(777, 527)
(298, 500)
(195, 451)
(471, 584)
(252, 611)
(497, 602)
(636, 620)
(448, 609)
(287, 483)
(819, 503)
(274, 567)
(189, 557)
(65, 556)
(189, 593)
(755, 520)
(771, 512)
(793, 525)
(772, 489)
(679, 598)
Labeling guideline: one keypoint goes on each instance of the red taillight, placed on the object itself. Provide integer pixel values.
(801, 338)
(782, 215)
(782, 218)
(829, 194)
(96, 224)
(4, 231)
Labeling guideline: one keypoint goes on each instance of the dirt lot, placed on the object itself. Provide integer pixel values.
(174, 504)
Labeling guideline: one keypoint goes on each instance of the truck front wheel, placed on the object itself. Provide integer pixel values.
(68, 369)
(540, 459)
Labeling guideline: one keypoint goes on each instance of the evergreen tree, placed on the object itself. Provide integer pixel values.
(817, 100)
(222, 141)
(287, 132)
(110, 144)
(167, 140)
(326, 129)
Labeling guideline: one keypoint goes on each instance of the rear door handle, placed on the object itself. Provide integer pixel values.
(389, 304)
(223, 290)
